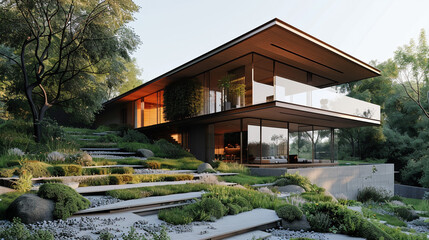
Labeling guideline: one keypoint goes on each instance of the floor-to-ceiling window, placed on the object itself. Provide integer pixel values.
(153, 109)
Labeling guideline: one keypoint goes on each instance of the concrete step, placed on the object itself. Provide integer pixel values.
(143, 204)
(119, 153)
(251, 235)
(114, 166)
(113, 157)
(230, 226)
(101, 149)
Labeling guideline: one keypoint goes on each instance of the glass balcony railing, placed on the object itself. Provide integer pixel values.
(298, 93)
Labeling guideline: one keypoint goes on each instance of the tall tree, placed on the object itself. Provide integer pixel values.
(61, 46)
(413, 65)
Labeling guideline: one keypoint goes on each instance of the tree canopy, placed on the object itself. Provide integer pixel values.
(64, 52)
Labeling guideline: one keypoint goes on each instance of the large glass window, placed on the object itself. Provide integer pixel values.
(263, 83)
(274, 141)
(231, 85)
(227, 141)
(153, 109)
(150, 112)
(322, 144)
(252, 143)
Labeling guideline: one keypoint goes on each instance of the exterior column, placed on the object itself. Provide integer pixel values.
(332, 147)
(241, 141)
(312, 144)
(287, 143)
(260, 141)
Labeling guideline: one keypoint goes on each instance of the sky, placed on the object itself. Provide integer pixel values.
(174, 32)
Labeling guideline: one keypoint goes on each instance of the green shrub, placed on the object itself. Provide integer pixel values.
(345, 220)
(212, 207)
(319, 222)
(176, 216)
(24, 182)
(135, 136)
(67, 201)
(372, 194)
(289, 212)
(316, 197)
(65, 170)
(152, 164)
(122, 170)
(110, 138)
(296, 179)
(233, 209)
(7, 172)
(95, 171)
(36, 168)
(170, 150)
(94, 181)
(56, 171)
(405, 213)
(233, 168)
(105, 235)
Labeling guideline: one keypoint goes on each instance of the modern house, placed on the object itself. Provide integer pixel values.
(265, 97)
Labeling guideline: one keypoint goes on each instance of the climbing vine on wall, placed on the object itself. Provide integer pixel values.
(183, 99)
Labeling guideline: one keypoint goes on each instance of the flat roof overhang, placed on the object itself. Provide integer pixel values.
(277, 111)
(276, 40)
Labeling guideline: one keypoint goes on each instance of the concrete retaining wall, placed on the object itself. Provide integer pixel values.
(347, 180)
(410, 191)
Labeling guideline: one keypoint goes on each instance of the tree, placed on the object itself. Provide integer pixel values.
(131, 77)
(67, 52)
(413, 65)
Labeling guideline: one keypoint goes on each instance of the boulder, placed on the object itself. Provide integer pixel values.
(291, 189)
(73, 185)
(297, 225)
(203, 167)
(145, 153)
(31, 209)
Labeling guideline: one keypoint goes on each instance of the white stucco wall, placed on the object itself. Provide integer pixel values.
(347, 180)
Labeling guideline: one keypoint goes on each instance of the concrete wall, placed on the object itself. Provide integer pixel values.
(347, 180)
(410, 191)
(197, 141)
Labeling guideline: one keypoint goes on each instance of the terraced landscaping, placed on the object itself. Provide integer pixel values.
(162, 196)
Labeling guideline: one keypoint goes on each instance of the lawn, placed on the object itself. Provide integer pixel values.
(245, 179)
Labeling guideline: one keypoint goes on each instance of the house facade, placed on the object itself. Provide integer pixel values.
(265, 97)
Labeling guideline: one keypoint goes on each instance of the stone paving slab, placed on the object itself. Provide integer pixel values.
(143, 202)
(251, 235)
(6, 190)
(114, 166)
(100, 149)
(231, 224)
(110, 153)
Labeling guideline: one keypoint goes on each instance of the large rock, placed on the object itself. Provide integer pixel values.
(204, 167)
(31, 209)
(297, 225)
(291, 189)
(145, 153)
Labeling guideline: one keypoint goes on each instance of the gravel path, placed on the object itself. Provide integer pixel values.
(97, 201)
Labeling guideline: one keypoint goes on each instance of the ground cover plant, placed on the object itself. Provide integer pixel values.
(185, 163)
(226, 200)
(134, 193)
(118, 179)
(245, 179)
(21, 232)
(67, 200)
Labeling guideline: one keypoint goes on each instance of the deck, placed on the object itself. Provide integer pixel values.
(290, 165)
